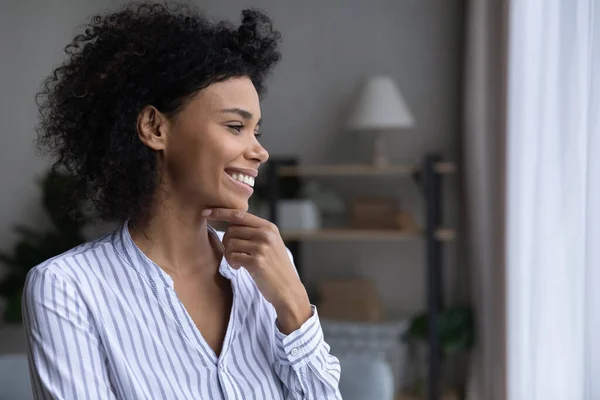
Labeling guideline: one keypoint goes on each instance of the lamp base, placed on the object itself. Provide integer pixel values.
(380, 158)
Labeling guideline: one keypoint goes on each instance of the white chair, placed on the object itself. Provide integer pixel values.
(372, 357)
(365, 378)
(14, 377)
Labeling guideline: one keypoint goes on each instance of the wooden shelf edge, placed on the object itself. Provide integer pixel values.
(360, 169)
(445, 234)
(442, 234)
(445, 167)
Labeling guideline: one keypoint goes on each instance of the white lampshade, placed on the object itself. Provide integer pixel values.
(380, 106)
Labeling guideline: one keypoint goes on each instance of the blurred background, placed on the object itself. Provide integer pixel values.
(389, 124)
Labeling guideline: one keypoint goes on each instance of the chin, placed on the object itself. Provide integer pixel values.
(236, 204)
(242, 206)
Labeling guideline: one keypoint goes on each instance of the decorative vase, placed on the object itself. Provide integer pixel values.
(296, 214)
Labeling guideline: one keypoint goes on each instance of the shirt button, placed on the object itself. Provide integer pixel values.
(294, 352)
(221, 366)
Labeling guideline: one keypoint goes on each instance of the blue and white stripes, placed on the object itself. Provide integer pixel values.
(104, 322)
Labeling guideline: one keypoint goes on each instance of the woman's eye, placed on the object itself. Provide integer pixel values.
(257, 134)
(237, 128)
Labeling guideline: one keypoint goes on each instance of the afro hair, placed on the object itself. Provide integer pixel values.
(144, 54)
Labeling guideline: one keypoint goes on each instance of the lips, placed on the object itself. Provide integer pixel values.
(243, 178)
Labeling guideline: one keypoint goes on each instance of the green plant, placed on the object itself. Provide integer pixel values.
(455, 327)
(33, 247)
(455, 335)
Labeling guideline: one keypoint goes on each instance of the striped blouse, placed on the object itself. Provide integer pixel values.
(104, 322)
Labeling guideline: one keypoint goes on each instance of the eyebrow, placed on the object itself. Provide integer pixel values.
(247, 115)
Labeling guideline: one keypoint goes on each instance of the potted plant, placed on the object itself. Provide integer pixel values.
(35, 246)
(456, 335)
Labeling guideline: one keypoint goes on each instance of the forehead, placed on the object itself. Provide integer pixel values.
(232, 93)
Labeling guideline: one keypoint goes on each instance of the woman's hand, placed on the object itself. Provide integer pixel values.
(256, 244)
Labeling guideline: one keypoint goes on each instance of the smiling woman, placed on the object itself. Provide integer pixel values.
(156, 112)
(214, 140)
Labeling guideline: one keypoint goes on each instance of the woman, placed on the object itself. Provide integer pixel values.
(156, 112)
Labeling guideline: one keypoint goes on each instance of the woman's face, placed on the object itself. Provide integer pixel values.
(211, 152)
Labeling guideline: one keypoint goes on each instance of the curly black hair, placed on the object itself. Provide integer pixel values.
(144, 54)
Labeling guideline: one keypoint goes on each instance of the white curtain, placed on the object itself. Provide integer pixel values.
(553, 200)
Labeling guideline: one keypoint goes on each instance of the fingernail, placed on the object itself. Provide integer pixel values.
(206, 212)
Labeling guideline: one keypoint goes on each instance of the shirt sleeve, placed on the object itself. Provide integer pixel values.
(303, 362)
(66, 358)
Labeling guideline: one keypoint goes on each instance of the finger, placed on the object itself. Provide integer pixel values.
(234, 245)
(237, 260)
(241, 232)
(233, 216)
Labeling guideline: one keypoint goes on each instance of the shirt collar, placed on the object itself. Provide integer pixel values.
(125, 245)
(224, 268)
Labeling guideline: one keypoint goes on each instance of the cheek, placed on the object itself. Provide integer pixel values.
(191, 163)
(212, 157)
(208, 168)
(182, 153)
(225, 150)
(198, 162)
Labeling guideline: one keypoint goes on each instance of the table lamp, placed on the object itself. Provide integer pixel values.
(380, 108)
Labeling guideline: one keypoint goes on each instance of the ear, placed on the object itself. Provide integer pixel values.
(152, 128)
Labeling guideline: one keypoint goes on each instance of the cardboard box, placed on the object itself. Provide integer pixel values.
(357, 312)
(373, 213)
(406, 222)
(347, 288)
(351, 299)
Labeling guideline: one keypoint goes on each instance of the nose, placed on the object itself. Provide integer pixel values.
(257, 152)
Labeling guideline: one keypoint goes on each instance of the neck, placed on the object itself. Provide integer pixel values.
(176, 238)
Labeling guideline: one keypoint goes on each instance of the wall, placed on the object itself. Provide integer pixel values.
(328, 47)
(33, 35)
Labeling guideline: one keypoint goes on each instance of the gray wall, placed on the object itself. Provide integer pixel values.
(33, 35)
(328, 47)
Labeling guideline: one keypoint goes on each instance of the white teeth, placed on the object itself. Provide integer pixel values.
(248, 180)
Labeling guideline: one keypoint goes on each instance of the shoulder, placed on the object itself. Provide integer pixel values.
(62, 271)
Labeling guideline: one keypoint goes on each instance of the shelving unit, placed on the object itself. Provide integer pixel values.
(442, 234)
(429, 175)
(358, 170)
